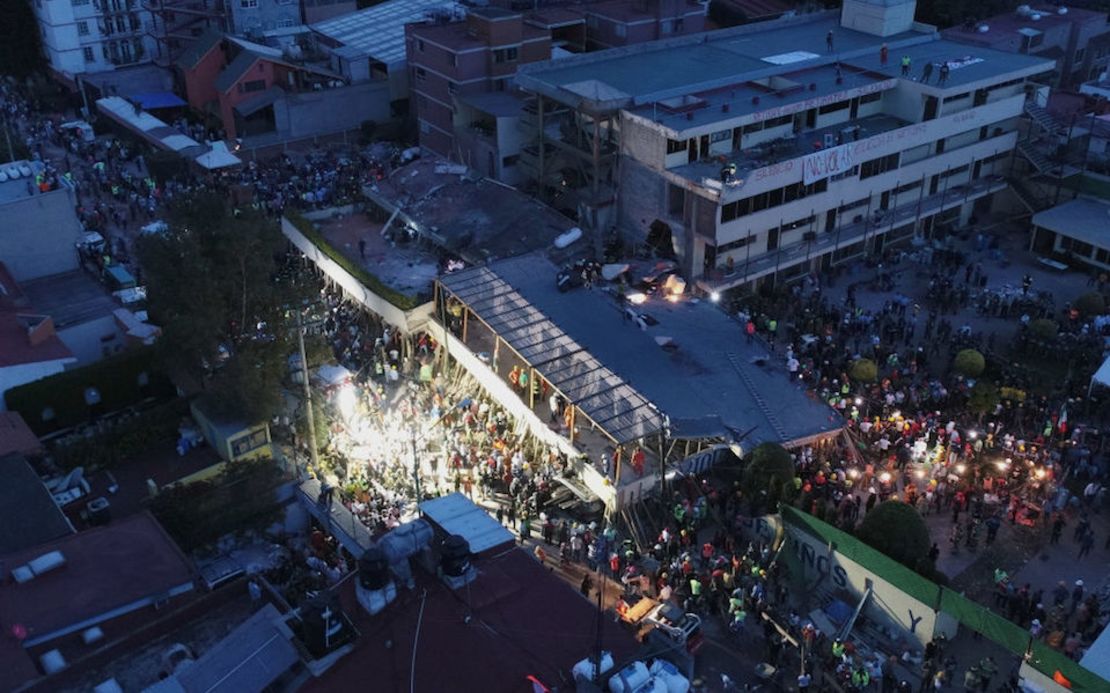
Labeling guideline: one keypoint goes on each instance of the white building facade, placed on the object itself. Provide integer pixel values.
(786, 150)
(81, 36)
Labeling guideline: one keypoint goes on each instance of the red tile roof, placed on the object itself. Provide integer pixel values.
(16, 436)
(526, 621)
(16, 347)
(106, 568)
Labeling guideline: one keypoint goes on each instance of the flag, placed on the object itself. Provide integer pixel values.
(1062, 424)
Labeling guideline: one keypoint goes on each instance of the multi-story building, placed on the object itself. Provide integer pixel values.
(1077, 39)
(462, 69)
(464, 59)
(176, 24)
(80, 36)
(252, 17)
(768, 151)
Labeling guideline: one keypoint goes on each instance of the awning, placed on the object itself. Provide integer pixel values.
(159, 99)
(266, 98)
(218, 156)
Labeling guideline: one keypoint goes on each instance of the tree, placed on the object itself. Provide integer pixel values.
(898, 530)
(1090, 304)
(1044, 329)
(969, 363)
(20, 40)
(770, 464)
(864, 371)
(213, 284)
(984, 397)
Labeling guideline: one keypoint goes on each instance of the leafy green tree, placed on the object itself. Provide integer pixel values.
(898, 530)
(983, 398)
(1091, 303)
(864, 371)
(214, 285)
(20, 40)
(969, 363)
(770, 466)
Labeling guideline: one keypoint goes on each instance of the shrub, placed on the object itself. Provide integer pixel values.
(122, 439)
(1091, 303)
(1043, 328)
(864, 371)
(898, 530)
(969, 363)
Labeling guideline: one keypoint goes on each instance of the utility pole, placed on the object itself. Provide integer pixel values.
(313, 448)
(415, 469)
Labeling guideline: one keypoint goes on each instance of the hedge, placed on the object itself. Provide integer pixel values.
(124, 439)
(116, 378)
(306, 227)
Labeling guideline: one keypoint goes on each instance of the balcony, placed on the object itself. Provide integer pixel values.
(849, 234)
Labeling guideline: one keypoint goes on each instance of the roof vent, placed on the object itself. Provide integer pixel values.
(43, 564)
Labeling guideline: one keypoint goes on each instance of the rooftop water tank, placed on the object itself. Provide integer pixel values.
(373, 569)
(455, 556)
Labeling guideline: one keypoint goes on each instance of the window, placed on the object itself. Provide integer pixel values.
(77, 3)
(500, 84)
(679, 25)
(286, 22)
(82, 28)
(1079, 55)
(907, 187)
(665, 26)
(957, 97)
(420, 74)
(452, 87)
(876, 166)
(89, 54)
(675, 146)
(954, 171)
(833, 107)
(870, 98)
(253, 86)
(733, 245)
(248, 4)
(247, 443)
(772, 239)
(778, 122)
(504, 55)
(620, 30)
(420, 45)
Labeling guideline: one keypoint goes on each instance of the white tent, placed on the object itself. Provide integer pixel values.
(1101, 376)
(218, 157)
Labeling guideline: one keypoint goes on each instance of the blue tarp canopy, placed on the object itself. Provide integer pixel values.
(158, 99)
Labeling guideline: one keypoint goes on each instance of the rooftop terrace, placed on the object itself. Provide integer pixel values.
(476, 218)
(730, 59)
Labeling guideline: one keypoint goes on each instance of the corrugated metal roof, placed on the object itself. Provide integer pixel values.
(379, 31)
(604, 397)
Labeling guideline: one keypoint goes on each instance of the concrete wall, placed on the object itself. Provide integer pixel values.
(14, 376)
(267, 15)
(332, 110)
(888, 605)
(93, 340)
(876, 19)
(38, 234)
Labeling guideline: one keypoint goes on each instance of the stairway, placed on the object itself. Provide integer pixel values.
(1043, 119)
(1033, 202)
(1034, 156)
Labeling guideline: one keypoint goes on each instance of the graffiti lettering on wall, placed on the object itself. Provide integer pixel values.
(764, 529)
(820, 563)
